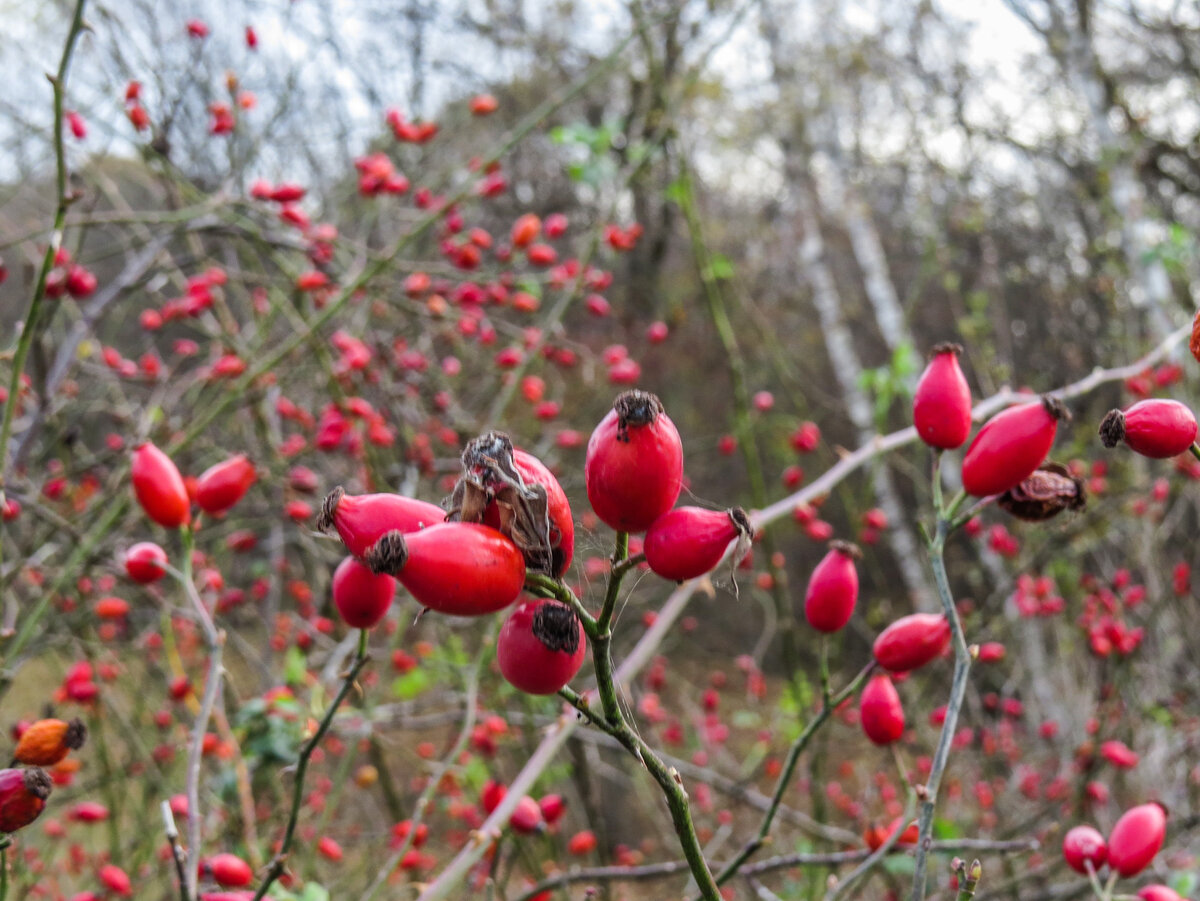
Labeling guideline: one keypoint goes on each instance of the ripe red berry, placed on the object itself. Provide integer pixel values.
(833, 588)
(144, 562)
(23, 794)
(1010, 447)
(634, 464)
(942, 401)
(220, 487)
(459, 568)
(553, 807)
(526, 817)
(484, 104)
(230, 870)
(1136, 838)
(1084, 843)
(361, 520)
(116, 880)
(159, 487)
(362, 598)
(689, 541)
(582, 843)
(1154, 428)
(912, 641)
(880, 711)
(540, 647)
(1159, 893)
(525, 230)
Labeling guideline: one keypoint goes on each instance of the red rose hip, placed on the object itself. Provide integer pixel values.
(458, 568)
(361, 597)
(1082, 844)
(880, 711)
(1010, 447)
(912, 641)
(540, 647)
(689, 541)
(220, 487)
(942, 401)
(361, 520)
(23, 794)
(1136, 838)
(833, 588)
(145, 562)
(1155, 428)
(634, 463)
(159, 487)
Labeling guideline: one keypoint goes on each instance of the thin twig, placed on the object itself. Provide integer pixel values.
(279, 861)
(29, 328)
(177, 853)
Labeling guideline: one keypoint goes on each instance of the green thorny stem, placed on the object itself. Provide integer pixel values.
(58, 82)
(279, 861)
(1195, 450)
(962, 663)
(968, 878)
(612, 720)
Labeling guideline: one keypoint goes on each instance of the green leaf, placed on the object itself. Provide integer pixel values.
(1185, 883)
(295, 667)
(411, 684)
(719, 267)
(677, 190)
(745, 719)
(899, 864)
(945, 830)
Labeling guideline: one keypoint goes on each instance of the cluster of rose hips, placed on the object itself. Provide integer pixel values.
(1133, 842)
(507, 516)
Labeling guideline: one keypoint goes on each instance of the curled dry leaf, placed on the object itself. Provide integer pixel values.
(492, 487)
(1050, 490)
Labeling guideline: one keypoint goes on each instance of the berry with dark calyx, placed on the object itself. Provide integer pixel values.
(48, 741)
(541, 646)
(1050, 490)
(942, 401)
(880, 711)
(912, 641)
(1136, 837)
(145, 562)
(1155, 428)
(220, 487)
(689, 541)
(458, 568)
(361, 520)
(512, 491)
(634, 463)
(362, 598)
(23, 794)
(833, 588)
(1082, 844)
(1010, 446)
(159, 487)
